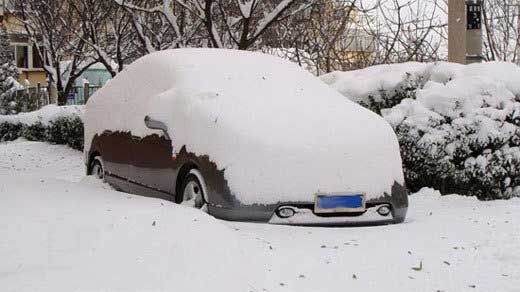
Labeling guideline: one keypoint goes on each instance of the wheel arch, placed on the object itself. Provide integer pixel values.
(91, 156)
(183, 171)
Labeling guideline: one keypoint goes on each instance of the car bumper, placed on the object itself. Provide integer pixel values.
(305, 216)
(304, 213)
(396, 202)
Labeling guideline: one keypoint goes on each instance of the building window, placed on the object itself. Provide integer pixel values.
(37, 61)
(27, 57)
(22, 56)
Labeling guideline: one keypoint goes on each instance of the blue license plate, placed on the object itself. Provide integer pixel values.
(339, 203)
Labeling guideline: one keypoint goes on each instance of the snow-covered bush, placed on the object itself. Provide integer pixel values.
(59, 125)
(459, 129)
(10, 131)
(8, 74)
(380, 87)
(35, 132)
(67, 131)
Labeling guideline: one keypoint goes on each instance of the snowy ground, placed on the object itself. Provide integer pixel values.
(62, 232)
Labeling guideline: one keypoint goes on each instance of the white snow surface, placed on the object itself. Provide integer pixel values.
(470, 92)
(358, 85)
(22, 157)
(450, 79)
(294, 134)
(58, 233)
(44, 115)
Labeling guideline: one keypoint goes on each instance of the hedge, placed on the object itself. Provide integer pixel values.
(458, 126)
(62, 130)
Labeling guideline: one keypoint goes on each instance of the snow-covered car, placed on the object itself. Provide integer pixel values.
(250, 136)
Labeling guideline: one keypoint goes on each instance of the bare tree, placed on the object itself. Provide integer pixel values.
(212, 23)
(321, 35)
(346, 35)
(106, 28)
(47, 24)
(163, 24)
(411, 30)
(501, 26)
(327, 35)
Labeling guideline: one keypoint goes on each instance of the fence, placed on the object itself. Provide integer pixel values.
(80, 94)
(25, 100)
(33, 98)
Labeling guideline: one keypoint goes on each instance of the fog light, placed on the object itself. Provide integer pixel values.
(286, 212)
(383, 210)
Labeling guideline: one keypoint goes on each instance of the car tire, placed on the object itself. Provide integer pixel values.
(193, 191)
(97, 168)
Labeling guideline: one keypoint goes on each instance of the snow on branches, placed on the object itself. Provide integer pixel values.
(220, 24)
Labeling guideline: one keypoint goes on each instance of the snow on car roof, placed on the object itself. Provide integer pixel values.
(280, 133)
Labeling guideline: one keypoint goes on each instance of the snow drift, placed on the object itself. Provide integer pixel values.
(249, 111)
(45, 115)
(80, 237)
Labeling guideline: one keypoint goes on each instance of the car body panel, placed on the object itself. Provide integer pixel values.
(152, 169)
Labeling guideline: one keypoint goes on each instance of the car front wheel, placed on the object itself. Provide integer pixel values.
(97, 169)
(193, 190)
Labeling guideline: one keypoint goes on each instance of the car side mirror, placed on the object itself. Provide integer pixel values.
(156, 125)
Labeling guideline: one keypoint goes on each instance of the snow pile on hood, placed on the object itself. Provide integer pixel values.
(280, 133)
(465, 118)
(45, 115)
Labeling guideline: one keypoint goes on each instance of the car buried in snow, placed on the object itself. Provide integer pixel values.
(249, 136)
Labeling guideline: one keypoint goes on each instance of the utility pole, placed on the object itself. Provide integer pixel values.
(465, 31)
(457, 31)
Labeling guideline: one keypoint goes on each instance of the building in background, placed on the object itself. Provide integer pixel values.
(31, 66)
(327, 36)
(347, 35)
(96, 76)
(27, 58)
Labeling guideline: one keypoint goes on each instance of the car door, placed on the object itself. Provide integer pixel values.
(152, 163)
(116, 152)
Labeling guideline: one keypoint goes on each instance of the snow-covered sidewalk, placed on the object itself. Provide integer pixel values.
(61, 232)
(21, 158)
